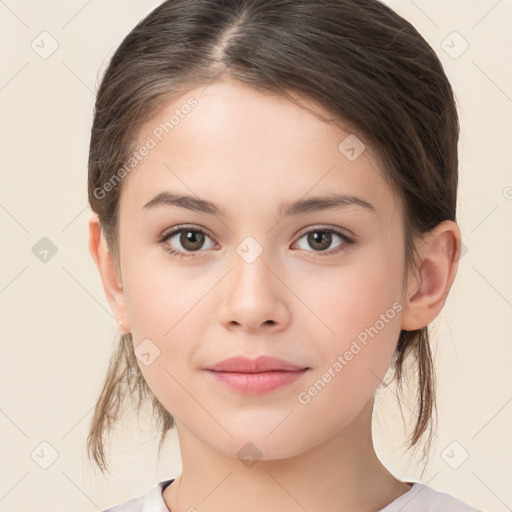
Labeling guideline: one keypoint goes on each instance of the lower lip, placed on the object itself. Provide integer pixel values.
(257, 383)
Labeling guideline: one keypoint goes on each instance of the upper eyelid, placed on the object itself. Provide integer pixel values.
(336, 230)
(177, 229)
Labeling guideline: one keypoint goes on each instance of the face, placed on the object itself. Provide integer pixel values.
(236, 270)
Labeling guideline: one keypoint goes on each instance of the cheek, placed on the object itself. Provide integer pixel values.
(364, 314)
(354, 296)
(169, 307)
(359, 308)
(163, 310)
(160, 300)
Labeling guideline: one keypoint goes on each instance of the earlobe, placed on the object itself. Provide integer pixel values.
(109, 275)
(438, 254)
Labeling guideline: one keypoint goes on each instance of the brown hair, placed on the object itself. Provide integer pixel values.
(358, 59)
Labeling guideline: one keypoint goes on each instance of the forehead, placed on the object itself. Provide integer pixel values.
(234, 145)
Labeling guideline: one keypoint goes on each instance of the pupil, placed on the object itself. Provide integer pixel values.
(191, 240)
(313, 237)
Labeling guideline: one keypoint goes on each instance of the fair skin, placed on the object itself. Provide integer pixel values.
(249, 153)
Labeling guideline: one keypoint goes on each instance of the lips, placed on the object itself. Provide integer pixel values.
(242, 364)
(255, 376)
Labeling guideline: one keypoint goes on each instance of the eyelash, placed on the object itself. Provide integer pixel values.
(347, 241)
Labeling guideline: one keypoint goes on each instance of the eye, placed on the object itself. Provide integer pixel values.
(321, 238)
(189, 238)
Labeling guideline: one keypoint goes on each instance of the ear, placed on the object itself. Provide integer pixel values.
(439, 253)
(109, 275)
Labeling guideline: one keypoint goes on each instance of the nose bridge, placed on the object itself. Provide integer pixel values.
(252, 294)
(252, 271)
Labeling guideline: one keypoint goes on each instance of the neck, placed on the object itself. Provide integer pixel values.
(342, 474)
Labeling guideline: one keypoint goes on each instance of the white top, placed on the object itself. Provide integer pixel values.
(419, 498)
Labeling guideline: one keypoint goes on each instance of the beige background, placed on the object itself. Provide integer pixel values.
(56, 331)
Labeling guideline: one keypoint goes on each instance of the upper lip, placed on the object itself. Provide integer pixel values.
(244, 364)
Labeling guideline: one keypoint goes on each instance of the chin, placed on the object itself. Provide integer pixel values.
(259, 447)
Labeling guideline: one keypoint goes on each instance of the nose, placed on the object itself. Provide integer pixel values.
(254, 297)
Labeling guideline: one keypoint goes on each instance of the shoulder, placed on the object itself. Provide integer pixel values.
(422, 498)
(151, 501)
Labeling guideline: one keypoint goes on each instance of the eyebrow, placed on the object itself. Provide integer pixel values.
(301, 206)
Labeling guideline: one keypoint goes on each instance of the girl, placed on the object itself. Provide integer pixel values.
(273, 187)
